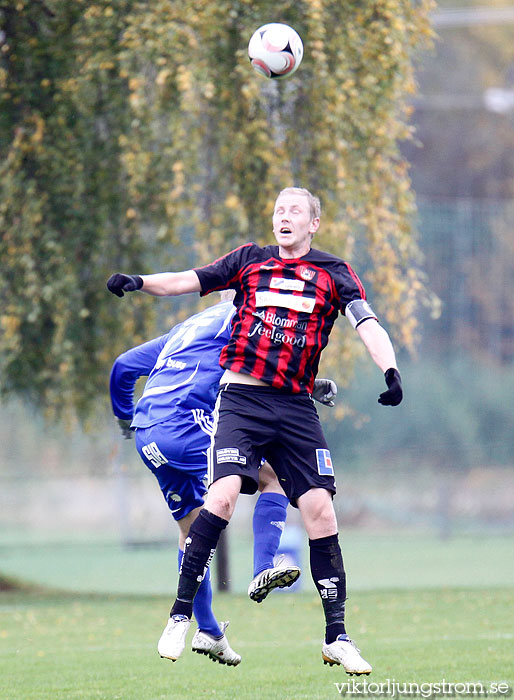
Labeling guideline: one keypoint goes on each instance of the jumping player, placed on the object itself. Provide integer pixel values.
(287, 299)
(173, 425)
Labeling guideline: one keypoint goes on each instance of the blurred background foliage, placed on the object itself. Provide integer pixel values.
(134, 136)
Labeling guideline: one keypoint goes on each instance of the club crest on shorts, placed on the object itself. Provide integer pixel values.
(324, 460)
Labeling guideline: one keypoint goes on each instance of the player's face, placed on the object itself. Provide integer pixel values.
(293, 225)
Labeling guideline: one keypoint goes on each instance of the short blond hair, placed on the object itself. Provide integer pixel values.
(314, 203)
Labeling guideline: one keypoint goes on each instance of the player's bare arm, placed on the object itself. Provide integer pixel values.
(378, 344)
(164, 284)
(161, 284)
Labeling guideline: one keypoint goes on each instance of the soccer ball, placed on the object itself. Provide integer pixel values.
(275, 50)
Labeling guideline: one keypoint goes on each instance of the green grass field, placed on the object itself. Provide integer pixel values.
(421, 610)
(57, 647)
(394, 560)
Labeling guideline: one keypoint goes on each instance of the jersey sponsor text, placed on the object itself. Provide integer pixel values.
(288, 284)
(277, 336)
(274, 320)
(287, 301)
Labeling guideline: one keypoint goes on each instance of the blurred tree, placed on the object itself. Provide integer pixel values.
(491, 331)
(135, 132)
(62, 200)
(465, 140)
(462, 169)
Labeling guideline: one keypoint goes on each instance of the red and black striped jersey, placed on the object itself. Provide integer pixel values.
(285, 310)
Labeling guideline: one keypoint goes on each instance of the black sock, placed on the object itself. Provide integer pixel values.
(198, 552)
(328, 573)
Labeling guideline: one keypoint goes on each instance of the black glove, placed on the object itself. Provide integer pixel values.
(119, 283)
(394, 394)
(324, 391)
(125, 428)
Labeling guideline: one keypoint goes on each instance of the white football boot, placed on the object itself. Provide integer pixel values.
(217, 649)
(343, 652)
(280, 576)
(173, 639)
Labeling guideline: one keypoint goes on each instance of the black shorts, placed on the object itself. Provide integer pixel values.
(252, 423)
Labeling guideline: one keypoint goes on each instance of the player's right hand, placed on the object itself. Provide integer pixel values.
(125, 428)
(324, 391)
(120, 283)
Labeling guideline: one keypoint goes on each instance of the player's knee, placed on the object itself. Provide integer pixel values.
(323, 523)
(318, 513)
(220, 506)
(222, 496)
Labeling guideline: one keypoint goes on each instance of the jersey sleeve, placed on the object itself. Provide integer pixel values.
(127, 368)
(224, 272)
(349, 287)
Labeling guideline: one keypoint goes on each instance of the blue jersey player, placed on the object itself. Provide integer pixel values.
(173, 426)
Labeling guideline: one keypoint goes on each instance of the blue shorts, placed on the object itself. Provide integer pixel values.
(175, 452)
(253, 422)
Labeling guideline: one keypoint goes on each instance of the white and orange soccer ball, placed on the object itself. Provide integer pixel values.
(275, 50)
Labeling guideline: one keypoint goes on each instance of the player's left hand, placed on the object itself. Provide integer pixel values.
(394, 394)
(324, 391)
(125, 428)
(120, 283)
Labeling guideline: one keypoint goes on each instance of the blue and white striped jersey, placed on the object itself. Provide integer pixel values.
(182, 367)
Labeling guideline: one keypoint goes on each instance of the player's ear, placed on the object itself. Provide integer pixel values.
(314, 225)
